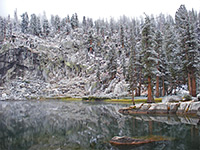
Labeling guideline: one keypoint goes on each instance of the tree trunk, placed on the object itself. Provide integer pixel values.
(139, 87)
(157, 86)
(189, 84)
(163, 87)
(150, 97)
(136, 92)
(193, 86)
(90, 46)
(133, 96)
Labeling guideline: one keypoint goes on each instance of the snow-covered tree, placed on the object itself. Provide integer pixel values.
(112, 62)
(8, 28)
(188, 44)
(33, 24)
(16, 24)
(149, 55)
(57, 23)
(74, 21)
(39, 27)
(1, 29)
(132, 68)
(46, 27)
(25, 22)
(158, 49)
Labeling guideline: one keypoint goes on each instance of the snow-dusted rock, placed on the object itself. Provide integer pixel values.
(173, 98)
(198, 96)
(120, 88)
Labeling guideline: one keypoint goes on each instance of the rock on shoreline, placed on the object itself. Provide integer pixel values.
(181, 108)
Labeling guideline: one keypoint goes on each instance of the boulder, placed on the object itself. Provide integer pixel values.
(198, 97)
(194, 108)
(161, 108)
(170, 99)
(187, 97)
(183, 108)
(173, 107)
(67, 44)
(120, 87)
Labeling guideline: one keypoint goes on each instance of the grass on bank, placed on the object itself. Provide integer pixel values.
(130, 101)
(103, 99)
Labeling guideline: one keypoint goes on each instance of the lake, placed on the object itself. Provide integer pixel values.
(58, 125)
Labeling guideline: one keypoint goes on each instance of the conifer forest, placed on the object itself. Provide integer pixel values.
(152, 55)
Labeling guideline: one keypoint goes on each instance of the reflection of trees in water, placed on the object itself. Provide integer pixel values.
(53, 125)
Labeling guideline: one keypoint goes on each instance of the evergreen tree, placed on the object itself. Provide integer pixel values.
(112, 62)
(1, 29)
(8, 28)
(16, 22)
(132, 69)
(46, 28)
(57, 23)
(25, 22)
(74, 21)
(172, 68)
(158, 49)
(33, 24)
(188, 45)
(63, 24)
(122, 36)
(39, 27)
(149, 55)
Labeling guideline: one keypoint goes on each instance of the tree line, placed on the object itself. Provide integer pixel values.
(161, 52)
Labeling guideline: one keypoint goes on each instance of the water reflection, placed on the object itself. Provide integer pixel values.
(75, 125)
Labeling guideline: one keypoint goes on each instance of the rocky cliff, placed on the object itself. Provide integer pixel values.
(60, 66)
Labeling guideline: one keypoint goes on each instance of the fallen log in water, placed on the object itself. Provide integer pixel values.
(124, 140)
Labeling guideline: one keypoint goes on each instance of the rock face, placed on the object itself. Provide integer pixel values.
(18, 61)
(190, 108)
(56, 66)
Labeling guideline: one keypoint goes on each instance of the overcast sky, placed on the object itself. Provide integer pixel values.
(96, 8)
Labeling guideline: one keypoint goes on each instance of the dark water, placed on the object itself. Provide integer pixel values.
(54, 125)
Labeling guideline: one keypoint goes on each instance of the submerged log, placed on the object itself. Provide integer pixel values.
(117, 140)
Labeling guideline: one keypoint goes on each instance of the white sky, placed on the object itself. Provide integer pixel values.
(96, 9)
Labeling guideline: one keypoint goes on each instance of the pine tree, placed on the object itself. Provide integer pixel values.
(132, 68)
(149, 55)
(38, 26)
(57, 23)
(158, 49)
(8, 28)
(74, 21)
(33, 24)
(1, 29)
(25, 22)
(16, 22)
(63, 24)
(112, 62)
(46, 28)
(188, 45)
(172, 65)
(122, 36)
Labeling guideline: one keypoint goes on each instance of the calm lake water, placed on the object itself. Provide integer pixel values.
(57, 125)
